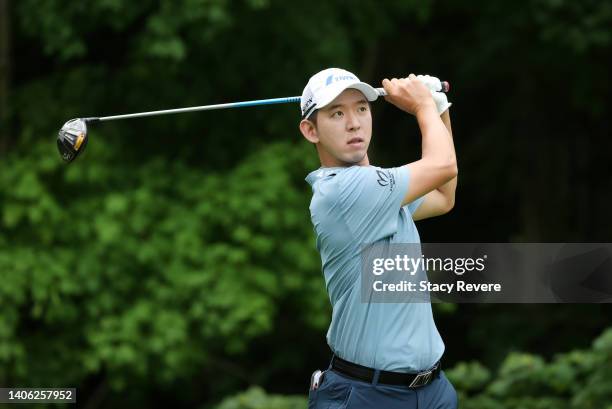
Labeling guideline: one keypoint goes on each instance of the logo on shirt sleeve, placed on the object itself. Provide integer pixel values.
(386, 178)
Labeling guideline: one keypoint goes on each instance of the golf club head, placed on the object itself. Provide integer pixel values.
(72, 139)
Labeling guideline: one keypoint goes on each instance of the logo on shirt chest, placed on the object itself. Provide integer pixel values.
(386, 179)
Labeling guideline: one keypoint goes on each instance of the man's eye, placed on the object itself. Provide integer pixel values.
(337, 114)
(363, 109)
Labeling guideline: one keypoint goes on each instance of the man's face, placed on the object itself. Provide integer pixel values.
(343, 131)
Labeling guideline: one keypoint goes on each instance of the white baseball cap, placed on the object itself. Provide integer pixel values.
(326, 85)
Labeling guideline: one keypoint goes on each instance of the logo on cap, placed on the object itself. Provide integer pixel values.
(338, 78)
(307, 104)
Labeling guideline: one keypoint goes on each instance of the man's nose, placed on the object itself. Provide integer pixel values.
(352, 122)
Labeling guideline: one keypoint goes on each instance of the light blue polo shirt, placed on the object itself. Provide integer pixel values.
(352, 206)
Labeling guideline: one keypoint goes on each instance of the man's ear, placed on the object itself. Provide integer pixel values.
(309, 130)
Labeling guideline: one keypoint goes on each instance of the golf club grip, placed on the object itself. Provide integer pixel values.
(445, 88)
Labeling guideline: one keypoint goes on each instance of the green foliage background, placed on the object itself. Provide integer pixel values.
(174, 262)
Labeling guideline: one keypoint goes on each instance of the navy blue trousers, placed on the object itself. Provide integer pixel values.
(338, 391)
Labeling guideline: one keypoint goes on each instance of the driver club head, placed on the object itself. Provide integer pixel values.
(72, 139)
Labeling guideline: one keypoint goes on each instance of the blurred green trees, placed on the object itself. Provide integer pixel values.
(576, 379)
(151, 274)
(256, 398)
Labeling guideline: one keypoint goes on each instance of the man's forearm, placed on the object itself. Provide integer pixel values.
(448, 189)
(436, 144)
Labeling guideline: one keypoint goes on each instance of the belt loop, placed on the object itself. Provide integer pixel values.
(376, 376)
(331, 362)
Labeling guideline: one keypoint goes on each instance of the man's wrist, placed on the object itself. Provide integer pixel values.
(427, 108)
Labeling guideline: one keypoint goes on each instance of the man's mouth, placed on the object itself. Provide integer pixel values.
(355, 141)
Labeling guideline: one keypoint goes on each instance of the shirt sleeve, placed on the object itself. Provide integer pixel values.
(371, 200)
(414, 205)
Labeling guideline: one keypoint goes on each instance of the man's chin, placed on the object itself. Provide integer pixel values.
(356, 159)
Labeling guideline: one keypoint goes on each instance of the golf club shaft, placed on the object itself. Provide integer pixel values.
(194, 109)
(271, 101)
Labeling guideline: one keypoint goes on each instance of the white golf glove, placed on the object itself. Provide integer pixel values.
(435, 86)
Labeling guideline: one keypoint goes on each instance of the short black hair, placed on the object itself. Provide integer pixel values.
(313, 117)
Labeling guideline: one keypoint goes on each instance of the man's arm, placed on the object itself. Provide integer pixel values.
(438, 164)
(442, 199)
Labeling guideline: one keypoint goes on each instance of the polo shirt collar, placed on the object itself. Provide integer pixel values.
(321, 173)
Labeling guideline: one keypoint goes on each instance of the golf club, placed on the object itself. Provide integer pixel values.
(72, 137)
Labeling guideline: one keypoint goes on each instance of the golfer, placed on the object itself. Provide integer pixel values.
(385, 355)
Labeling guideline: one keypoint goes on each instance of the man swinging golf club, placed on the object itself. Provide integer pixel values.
(385, 355)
